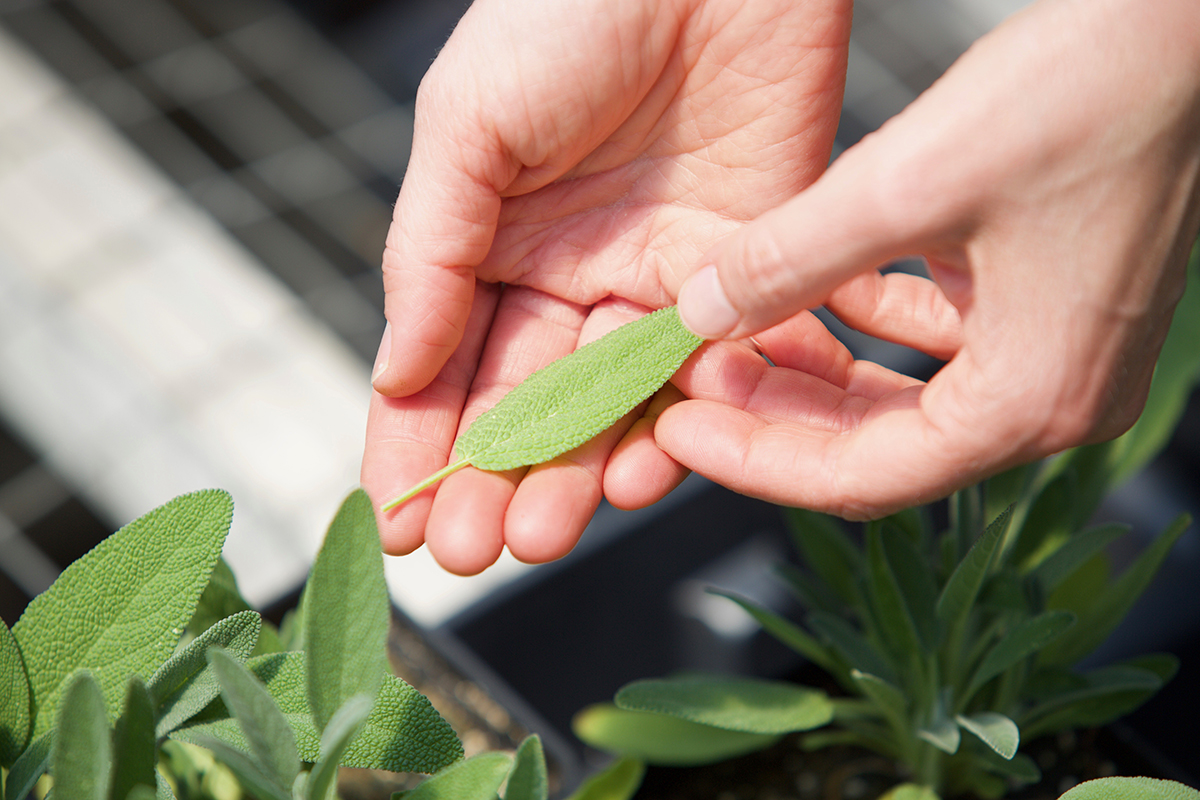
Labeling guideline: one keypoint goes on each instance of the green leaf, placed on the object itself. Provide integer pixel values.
(1025, 639)
(403, 733)
(135, 753)
(1131, 789)
(619, 781)
(271, 742)
(222, 599)
(914, 576)
(250, 772)
(342, 728)
(662, 739)
(890, 701)
(528, 779)
(15, 719)
(1107, 694)
(787, 632)
(185, 683)
(960, 591)
(995, 730)
(29, 766)
(910, 791)
(1098, 621)
(736, 704)
(943, 734)
(120, 609)
(1076, 552)
(887, 599)
(573, 399)
(1050, 522)
(853, 646)
(81, 757)
(346, 627)
(828, 551)
(477, 778)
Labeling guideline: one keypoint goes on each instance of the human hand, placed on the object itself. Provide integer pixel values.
(1050, 181)
(584, 153)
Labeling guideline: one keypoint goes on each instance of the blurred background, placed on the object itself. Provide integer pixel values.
(193, 201)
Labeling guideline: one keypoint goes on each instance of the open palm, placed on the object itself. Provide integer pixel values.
(577, 159)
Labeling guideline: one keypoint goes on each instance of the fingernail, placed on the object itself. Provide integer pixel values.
(704, 307)
(383, 357)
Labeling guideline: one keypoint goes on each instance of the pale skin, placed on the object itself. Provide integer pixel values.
(602, 157)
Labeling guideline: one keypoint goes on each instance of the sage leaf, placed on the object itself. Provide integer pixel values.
(528, 779)
(619, 781)
(828, 551)
(122, 606)
(477, 778)
(249, 772)
(1131, 789)
(661, 739)
(1076, 552)
(910, 791)
(30, 766)
(346, 626)
(82, 753)
(1111, 606)
(787, 632)
(134, 751)
(957, 597)
(855, 648)
(572, 399)
(943, 734)
(1025, 639)
(995, 730)
(185, 683)
(403, 733)
(14, 699)
(343, 726)
(271, 742)
(735, 704)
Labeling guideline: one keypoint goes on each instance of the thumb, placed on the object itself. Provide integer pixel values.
(793, 257)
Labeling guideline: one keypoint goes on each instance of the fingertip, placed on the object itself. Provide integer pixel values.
(704, 306)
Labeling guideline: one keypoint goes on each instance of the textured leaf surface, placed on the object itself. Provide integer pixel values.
(120, 609)
(342, 727)
(1111, 606)
(270, 738)
(346, 626)
(574, 398)
(403, 733)
(619, 781)
(1131, 789)
(1022, 641)
(185, 683)
(14, 699)
(570, 400)
(528, 779)
(736, 704)
(962, 588)
(81, 756)
(662, 739)
(995, 730)
(477, 778)
(134, 751)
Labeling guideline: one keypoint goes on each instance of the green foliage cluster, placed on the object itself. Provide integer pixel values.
(145, 642)
(950, 644)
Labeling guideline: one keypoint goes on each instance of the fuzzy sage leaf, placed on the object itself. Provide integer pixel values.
(571, 400)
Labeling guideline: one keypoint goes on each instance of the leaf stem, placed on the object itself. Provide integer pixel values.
(425, 484)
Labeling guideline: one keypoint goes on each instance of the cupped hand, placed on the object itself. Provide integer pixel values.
(572, 160)
(1050, 181)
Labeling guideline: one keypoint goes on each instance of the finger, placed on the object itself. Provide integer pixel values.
(638, 473)
(530, 329)
(905, 309)
(410, 437)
